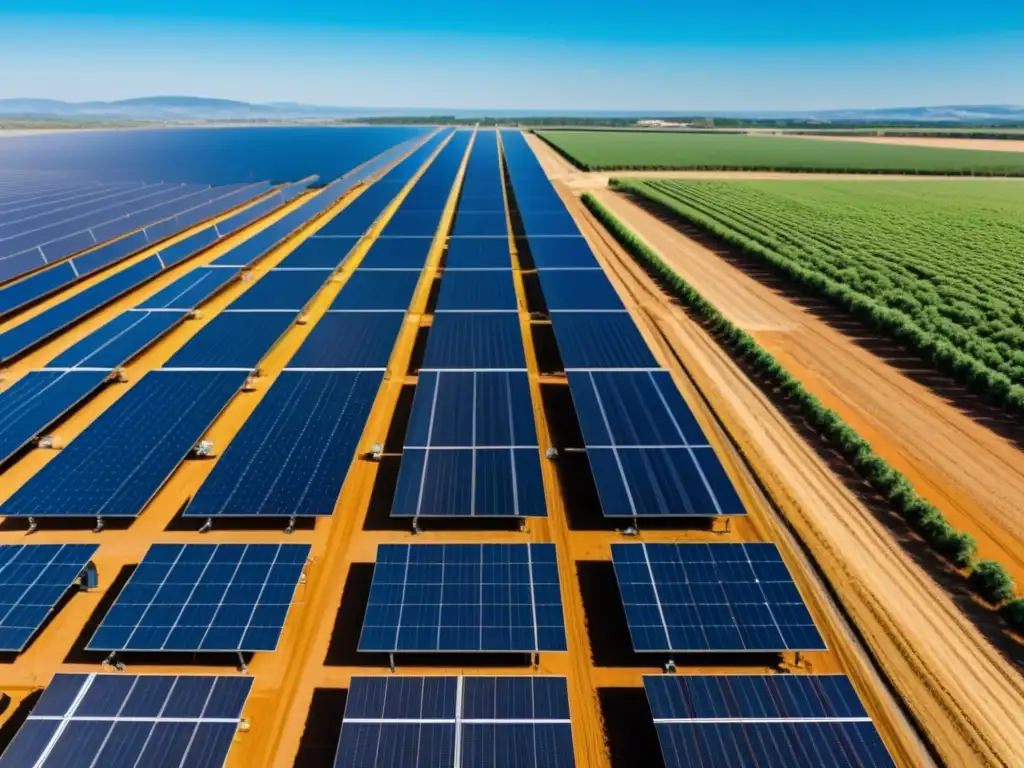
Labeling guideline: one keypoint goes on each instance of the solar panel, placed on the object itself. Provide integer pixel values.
(600, 340)
(648, 454)
(486, 290)
(204, 597)
(191, 290)
(464, 597)
(578, 289)
(478, 253)
(39, 328)
(293, 453)
(122, 459)
(377, 291)
(712, 597)
(117, 341)
(320, 252)
(282, 289)
(350, 340)
(37, 400)
(471, 448)
(443, 722)
(477, 341)
(119, 720)
(33, 579)
(233, 340)
(412, 223)
(397, 253)
(763, 720)
(480, 224)
(35, 286)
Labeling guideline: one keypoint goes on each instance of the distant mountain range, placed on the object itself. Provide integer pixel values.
(192, 108)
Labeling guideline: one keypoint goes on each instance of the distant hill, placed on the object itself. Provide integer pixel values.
(194, 108)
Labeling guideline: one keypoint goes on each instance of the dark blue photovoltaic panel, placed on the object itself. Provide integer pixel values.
(559, 252)
(600, 340)
(471, 290)
(111, 252)
(480, 223)
(549, 223)
(481, 482)
(377, 290)
(475, 341)
(777, 720)
(282, 289)
(712, 597)
(578, 289)
(35, 286)
(204, 597)
(483, 459)
(485, 409)
(752, 697)
(117, 341)
(190, 246)
(19, 264)
(293, 453)
(320, 252)
(233, 340)
(256, 247)
(397, 253)
(350, 340)
(464, 597)
(412, 223)
(35, 330)
(36, 401)
(506, 722)
(633, 408)
(360, 214)
(478, 253)
(33, 579)
(191, 290)
(118, 721)
(122, 459)
(663, 482)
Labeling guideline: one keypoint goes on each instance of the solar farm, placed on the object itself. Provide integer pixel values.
(380, 470)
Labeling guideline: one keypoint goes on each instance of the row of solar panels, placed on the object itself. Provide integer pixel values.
(237, 339)
(767, 721)
(648, 455)
(678, 598)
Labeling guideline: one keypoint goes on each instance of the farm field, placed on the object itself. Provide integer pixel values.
(934, 265)
(610, 150)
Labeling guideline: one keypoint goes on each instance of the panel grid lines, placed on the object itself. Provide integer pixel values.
(464, 598)
(712, 597)
(204, 597)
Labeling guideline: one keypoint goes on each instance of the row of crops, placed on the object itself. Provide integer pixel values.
(639, 150)
(939, 266)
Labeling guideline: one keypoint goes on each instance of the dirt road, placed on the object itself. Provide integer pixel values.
(963, 694)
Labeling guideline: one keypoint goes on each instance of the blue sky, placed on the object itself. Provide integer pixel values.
(550, 54)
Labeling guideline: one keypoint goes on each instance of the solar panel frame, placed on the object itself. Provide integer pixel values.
(197, 597)
(118, 720)
(743, 720)
(33, 580)
(712, 597)
(437, 721)
(289, 459)
(417, 577)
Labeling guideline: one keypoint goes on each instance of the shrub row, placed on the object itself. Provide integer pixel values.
(990, 579)
(947, 358)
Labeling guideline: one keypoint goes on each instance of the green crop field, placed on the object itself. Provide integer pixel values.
(938, 265)
(637, 150)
